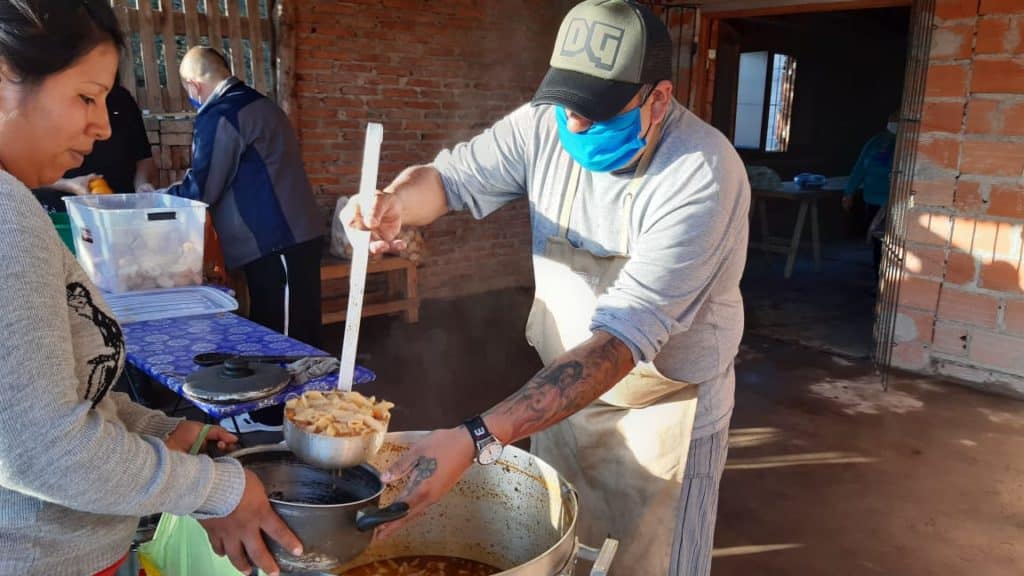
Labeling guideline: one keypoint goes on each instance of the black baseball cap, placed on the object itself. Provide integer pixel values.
(606, 50)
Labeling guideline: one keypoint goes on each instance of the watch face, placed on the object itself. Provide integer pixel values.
(490, 453)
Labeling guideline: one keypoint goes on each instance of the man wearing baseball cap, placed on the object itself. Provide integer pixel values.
(639, 221)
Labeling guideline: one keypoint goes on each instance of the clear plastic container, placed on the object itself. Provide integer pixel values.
(128, 242)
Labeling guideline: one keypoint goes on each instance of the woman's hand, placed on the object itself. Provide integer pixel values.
(186, 434)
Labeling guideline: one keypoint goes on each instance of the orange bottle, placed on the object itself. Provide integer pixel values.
(99, 186)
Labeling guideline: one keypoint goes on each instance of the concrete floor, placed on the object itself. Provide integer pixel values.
(826, 475)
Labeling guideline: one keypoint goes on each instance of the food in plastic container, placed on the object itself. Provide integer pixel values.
(128, 242)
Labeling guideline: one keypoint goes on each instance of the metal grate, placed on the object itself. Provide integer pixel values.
(900, 196)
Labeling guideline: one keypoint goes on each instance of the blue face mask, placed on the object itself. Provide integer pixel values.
(605, 146)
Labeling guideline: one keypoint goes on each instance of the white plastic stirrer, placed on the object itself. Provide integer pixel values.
(360, 240)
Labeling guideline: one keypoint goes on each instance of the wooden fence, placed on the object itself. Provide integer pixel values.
(158, 33)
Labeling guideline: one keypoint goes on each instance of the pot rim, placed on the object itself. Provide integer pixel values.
(282, 447)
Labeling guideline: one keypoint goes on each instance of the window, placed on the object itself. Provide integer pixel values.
(764, 101)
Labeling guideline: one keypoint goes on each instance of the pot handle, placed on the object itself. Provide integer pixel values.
(369, 518)
(602, 558)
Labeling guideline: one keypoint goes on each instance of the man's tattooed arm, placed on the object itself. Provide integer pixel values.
(573, 380)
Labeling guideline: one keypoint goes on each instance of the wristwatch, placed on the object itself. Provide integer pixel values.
(488, 448)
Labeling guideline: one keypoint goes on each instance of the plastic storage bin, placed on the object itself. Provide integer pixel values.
(128, 242)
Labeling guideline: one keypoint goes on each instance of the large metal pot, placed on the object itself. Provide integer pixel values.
(333, 513)
(518, 515)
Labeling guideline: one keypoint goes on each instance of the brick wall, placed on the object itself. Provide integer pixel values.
(962, 302)
(170, 136)
(434, 74)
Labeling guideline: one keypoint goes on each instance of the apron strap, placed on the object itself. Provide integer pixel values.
(568, 199)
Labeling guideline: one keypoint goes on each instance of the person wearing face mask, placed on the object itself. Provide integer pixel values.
(639, 223)
(246, 164)
(871, 175)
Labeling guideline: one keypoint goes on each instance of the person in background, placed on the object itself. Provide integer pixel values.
(871, 174)
(80, 463)
(639, 213)
(247, 165)
(125, 160)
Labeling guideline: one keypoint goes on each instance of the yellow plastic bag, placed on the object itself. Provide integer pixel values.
(180, 546)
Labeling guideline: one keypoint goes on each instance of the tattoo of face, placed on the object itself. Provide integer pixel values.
(562, 389)
(425, 469)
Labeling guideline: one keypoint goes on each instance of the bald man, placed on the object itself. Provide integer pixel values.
(247, 166)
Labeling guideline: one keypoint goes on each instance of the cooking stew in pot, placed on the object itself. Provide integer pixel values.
(424, 566)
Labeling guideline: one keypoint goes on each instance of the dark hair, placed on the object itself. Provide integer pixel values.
(39, 38)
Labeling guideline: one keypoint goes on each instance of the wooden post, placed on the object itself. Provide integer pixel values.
(235, 34)
(214, 31)
(149, 58)
(284, 52)
(173, 103)
(127, 64)
(259, 81)
(191, 8)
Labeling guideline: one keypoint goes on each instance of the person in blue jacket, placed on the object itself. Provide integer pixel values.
(871, 175)
(247, 165)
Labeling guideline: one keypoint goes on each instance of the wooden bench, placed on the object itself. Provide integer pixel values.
(400, 295)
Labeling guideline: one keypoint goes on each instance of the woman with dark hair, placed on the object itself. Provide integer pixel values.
(79, 463)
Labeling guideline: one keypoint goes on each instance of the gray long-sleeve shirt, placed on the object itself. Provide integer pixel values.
(677, 302)
(79, 464)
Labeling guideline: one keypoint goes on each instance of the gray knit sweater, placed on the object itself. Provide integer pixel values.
(79, 464)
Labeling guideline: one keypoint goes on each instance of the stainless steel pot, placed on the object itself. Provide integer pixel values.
(518, 515)
(333, 513)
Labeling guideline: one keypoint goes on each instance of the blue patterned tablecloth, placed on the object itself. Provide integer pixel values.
(163, 349)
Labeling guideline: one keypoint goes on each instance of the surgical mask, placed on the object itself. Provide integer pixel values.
(605, 146)
(892, 127)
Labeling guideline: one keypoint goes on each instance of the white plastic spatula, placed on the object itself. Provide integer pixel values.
(360, 255)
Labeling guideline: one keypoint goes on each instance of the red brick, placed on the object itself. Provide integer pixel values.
(954, 9)
(993, 158)
(919, 293)
(925, 261)
(1001, 7)
(984, 236)
(1006, 201)
(999, 351)
(922, 321)
(940, 152)
(910, 355)
(993, 36)
(942, 117)
(1003, 275)
(982, 116)
(933, 192)
(968, 307)
(961, 268)
(950, 339)
(952, 42)
(1013, 118)
(998, 76)
(946, 81)
(968, 199)
(928, 227)
(1019, 48)
(1013, 317)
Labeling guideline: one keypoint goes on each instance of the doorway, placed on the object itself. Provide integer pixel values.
(812, 92)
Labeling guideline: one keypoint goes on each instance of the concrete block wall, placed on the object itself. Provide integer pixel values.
(962, 300)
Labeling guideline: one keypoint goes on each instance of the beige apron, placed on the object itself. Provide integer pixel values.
(626, 453)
